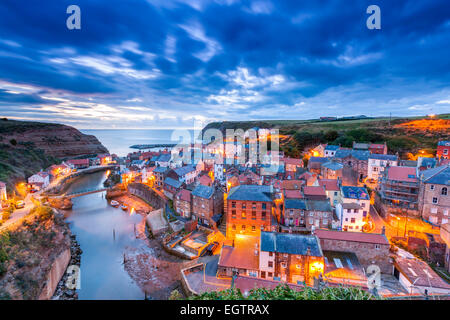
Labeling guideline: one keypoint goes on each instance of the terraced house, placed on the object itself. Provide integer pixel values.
(207, 204)
(356, 159)
(434, 198)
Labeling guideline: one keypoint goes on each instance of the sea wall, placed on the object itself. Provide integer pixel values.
(58, 269)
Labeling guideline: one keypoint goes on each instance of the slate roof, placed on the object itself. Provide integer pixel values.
(319, 205)
(357, 154)
(331, 147)
(290, 243)
(295, 204)
(165, 157)
(160, 169)
(333, 165)
(184, 170)
(203, 191)
(443, 143)
(352, 192)
(250, 193)
(390, 157)
(438, 175)
(172, 182)
(318, 159)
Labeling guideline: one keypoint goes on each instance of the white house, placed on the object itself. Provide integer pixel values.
(377, 164)
(3, 195)
(330, 150)
(40, 180)
(354, 208)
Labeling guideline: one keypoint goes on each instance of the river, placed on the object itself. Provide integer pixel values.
(95, 222)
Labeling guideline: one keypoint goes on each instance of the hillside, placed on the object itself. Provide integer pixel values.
(403, 135)
(27, 147)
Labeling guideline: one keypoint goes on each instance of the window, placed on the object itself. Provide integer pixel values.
(444, 191)
(352, 220)
(233, 214)
(270, 254)
(335, 193)
(243, 227)
(432, 187)
(377, 246)
(243, 205)
(254, 205)
(254, 215)
(435, 200)
(233, 204)
(264, 206)
(233, 227)
(356, 210)
(253, 228)
(243, 215)
(311, 221)
(324, 215)
(311, 214)
(283, 265)
(263, 274)
(270, 264)
(270, 274)
(325, 221)
(263, 216)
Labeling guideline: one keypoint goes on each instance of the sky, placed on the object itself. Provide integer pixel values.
(170, 64)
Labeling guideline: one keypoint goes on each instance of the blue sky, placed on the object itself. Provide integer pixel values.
(166, 64)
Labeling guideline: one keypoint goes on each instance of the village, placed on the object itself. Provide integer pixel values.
(329, 218)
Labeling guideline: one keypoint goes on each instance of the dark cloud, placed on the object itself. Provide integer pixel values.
(182, 57)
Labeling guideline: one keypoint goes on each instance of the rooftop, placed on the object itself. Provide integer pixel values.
(314, 191)
(357, 154)
(184, 195)
(329, 184)
(184, 170)
(331, 147)
(375, 238)
(290, 243)
(405, 174)
(438, 175)
(295, 204)
(420, 273)
(332, 165)
(242, 255)
(250, 193)
(172, 182)
(390, 157)
(352, 192)
(203, 191)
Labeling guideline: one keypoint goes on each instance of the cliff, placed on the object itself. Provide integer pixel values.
(27, 147)
(55, 140)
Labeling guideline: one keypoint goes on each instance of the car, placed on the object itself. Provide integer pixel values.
(20, 204)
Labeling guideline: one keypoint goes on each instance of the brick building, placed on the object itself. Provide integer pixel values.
(443, 150)
(206, 203)
(182, 203)
(434, 195)
(302, 214)
(249, 210)
(400, 187)
(355, 159)
(370, 248)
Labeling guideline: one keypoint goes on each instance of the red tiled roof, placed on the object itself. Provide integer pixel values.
(205, 180)
(292, 161)
(329, 184)
(352, 236)
(293, 194)
(292, 184)
(242, 255)
(185, 195)
(420, 273)
(402, 174)
(314, 191)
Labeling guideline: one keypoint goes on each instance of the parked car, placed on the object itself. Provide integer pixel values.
(20, 204)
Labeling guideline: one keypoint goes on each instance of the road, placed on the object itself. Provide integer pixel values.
(19, 213)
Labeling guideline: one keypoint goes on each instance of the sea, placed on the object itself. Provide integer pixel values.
(118, 141)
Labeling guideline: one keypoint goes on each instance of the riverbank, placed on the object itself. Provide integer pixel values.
(155, 271)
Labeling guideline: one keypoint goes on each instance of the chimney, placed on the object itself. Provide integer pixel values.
(383, 230)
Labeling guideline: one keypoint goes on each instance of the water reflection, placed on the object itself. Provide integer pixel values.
(103, 233)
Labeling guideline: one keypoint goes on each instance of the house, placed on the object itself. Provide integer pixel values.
(163, 160)
(417, 277)
(400, 187)
(355, 159)
(314, 193)
(292, 164)
(205, 180)
(182, 203)
(443, 150)
(354, 209)
(375, 148)
(160, 175)
(249, 210)
(78, 163)
(370, 248)
(424, 163)
(445, 235)
(315, 164)
(377, 164)
(3, 194)
(148, 176)
(249, 177)
(319, 151)
(39, 181)
(332, 190)
(171, 187)
(434, 195)
(104, 159)
(59, 170)
(330, 151)
(241, 257)
(360, 146)
(186, 174)
(207, 202)
(292, 258)
(331, 170)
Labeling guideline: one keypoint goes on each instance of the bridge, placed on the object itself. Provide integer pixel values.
(84, 193)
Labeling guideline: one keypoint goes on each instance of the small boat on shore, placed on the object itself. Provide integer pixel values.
(124, 207)
(115, 204)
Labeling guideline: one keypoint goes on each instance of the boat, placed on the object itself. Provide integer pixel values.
(114, 203)
(124, 207)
